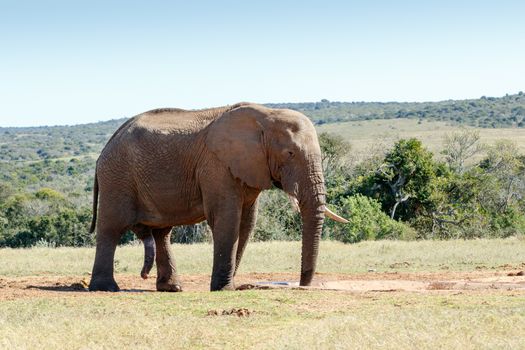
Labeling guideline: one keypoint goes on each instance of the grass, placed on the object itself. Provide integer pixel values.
(292, 319)
(383, 133)
(456, 255)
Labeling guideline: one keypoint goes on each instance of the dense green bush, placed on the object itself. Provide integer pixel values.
(443, 200)
(367, 222)
(64, 227)
(508, 223)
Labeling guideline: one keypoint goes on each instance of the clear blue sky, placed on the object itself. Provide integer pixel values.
(71, 62)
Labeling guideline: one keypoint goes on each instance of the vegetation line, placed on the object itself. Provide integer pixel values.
(463, 188)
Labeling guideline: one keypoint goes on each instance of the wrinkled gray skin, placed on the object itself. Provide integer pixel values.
(170, 167)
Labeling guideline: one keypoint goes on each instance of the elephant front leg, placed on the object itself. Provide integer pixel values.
(225, 228)
(167, 279)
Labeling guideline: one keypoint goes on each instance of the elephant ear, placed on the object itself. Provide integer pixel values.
(236, 138)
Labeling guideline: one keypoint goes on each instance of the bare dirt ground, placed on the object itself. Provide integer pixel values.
(483, 281)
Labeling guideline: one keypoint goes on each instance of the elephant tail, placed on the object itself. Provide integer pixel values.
(95, 204)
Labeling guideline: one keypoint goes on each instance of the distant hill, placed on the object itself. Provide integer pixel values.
(59, 157)
(485, 112)
(51, 142)
(29, 144)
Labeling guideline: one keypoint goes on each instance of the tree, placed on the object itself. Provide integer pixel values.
(453, 210)
(507, 167)
(334, 154)
(484, 200)
(407, 173)
(461, 146)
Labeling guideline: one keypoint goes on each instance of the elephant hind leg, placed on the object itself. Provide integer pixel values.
(113, 220)
(102, 278)
(167, 278)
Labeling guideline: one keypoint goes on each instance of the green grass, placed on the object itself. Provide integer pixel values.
(367, 135)
(456, 255)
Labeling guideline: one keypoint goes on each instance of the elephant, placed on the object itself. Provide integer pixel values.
(169, 167)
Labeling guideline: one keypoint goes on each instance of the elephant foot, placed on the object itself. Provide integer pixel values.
(103, 286)
(215, 287)
(230, 286)
(169, 287)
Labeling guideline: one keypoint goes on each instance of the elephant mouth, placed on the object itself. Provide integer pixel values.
(277, 184)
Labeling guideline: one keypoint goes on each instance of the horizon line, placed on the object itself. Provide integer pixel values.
(519, 93)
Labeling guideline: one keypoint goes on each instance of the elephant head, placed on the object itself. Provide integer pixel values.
(263, 146)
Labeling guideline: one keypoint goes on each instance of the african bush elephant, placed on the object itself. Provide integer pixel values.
(170, 167)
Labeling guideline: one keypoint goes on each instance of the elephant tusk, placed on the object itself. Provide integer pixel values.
(327, 212)
(334, 216)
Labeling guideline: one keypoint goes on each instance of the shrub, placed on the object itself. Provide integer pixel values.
(367, 222)
(276, 219)
(49, 194)
(508, 223)
(188, 234)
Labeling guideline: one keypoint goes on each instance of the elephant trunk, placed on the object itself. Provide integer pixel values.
(312, 226)
(312, 206)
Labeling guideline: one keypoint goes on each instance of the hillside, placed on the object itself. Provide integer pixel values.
(382, 133)
(58, 157)
(51, 142)
(63, 157)
(59, 142)
(485, 112)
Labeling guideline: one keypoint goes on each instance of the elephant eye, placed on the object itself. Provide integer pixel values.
(287, 154)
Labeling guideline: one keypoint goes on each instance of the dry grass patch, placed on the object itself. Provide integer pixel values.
(50, 316)
(380, 256)
(366, 135)
(278, 319)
